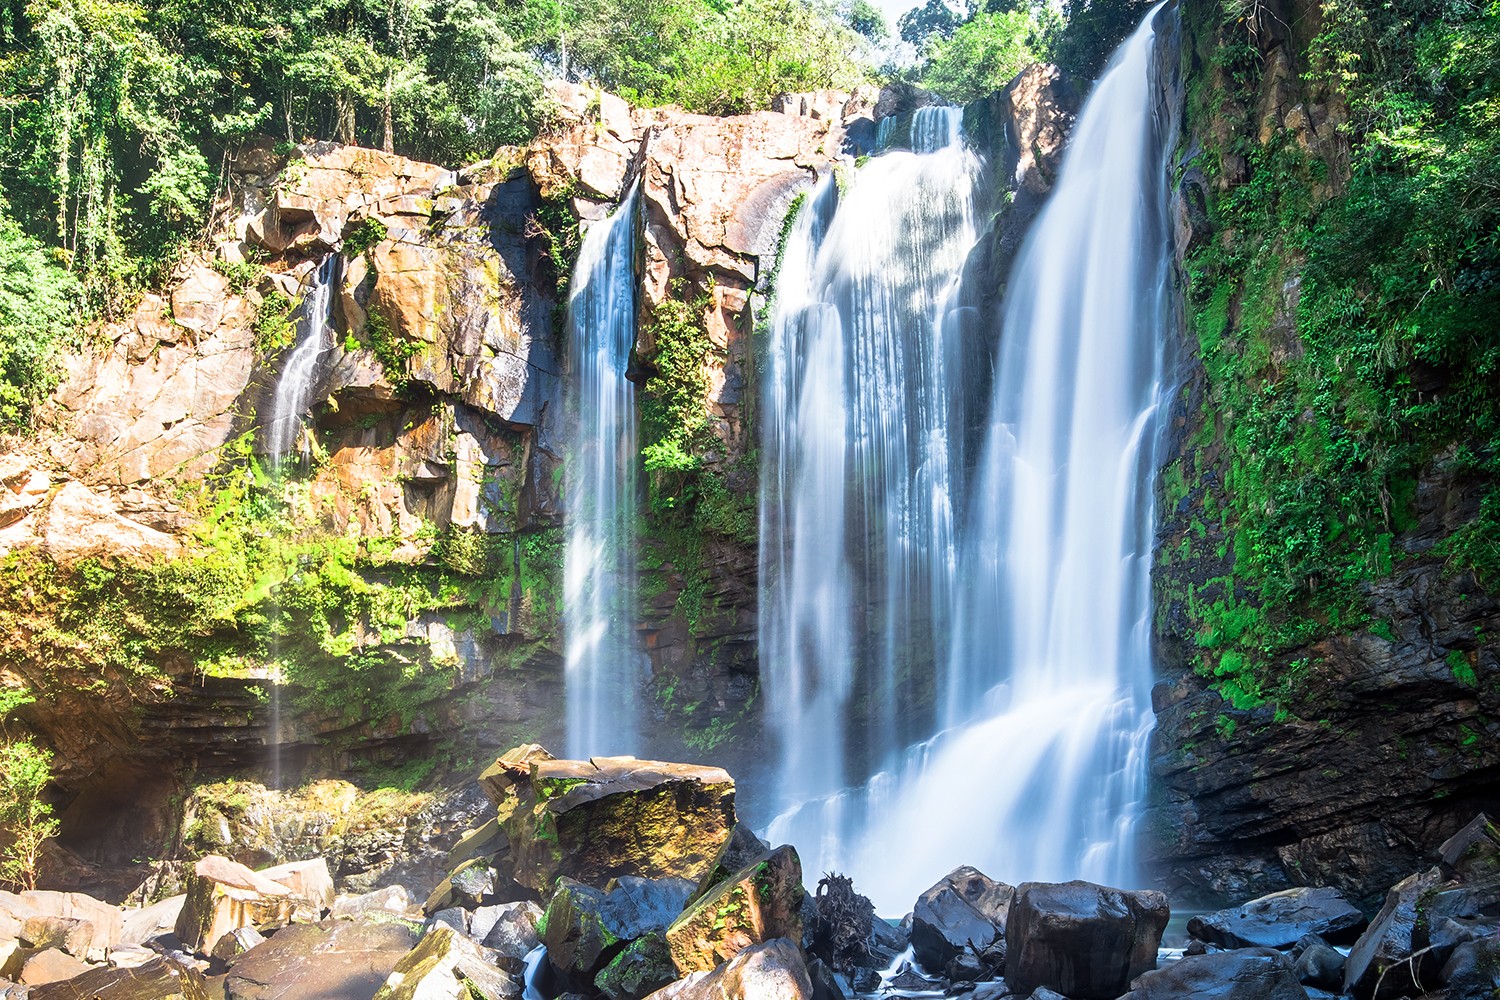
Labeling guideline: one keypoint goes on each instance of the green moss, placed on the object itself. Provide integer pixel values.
(365, 236)
(392, 350)
(273, 326)
(1462, 669)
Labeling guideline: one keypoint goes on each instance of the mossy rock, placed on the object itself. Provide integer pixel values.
(760, 902)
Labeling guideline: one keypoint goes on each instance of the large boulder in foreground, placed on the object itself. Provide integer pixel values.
(773, 970)
(158, 979)
(335, 960)
(966, 909)
(1244, 974)
(584, 928)
(1281, 919)
(760, 902)
(445, 965)
(1085, 941)
(223, 895)
(609, 817)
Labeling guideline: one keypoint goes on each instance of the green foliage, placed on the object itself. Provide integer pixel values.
(1095, 28)
(25, 815)
(367, 234)
(1331, 402)
(38, 303)
(391, 349)
(273, 326)
(982, 55)
(241, 275)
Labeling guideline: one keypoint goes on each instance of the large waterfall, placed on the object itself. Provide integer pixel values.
(294, 388)
(604, 667)
(1023, 615)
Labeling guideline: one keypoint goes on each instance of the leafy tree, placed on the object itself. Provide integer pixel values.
(933, 20)
(1095, 28)
(866, 20)
(982, 55)
(26, 821)
(37, 309)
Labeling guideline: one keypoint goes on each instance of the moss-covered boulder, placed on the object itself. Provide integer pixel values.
(445, 965)
(585, 929)
(601, 819)
(760, 902)
(644, 967)
(774, 970)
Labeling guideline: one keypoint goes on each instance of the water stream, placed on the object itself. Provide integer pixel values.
(605, 669)
(1022, 616)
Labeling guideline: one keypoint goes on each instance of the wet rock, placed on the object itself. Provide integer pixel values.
(1380, 956)
(445, 965)
(760, 902)
(773, 970)
(964, 910)
(1244, 974)
(593, 821)
(1320, 965)
(222, 896)
(51, 966)
(579, 939)
(1280, 919)
(643, 967)
(1086, 941)
(825, 982)
(158, 979)
(508, 928)
(336, 960)
(741, 848)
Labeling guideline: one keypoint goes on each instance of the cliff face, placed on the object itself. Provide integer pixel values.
(1331, 735)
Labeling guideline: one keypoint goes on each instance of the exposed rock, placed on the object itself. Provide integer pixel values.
(51, 966)
(643, 967)
(965, 909)
(584, 927)
(140, 926)
(1473, 853)
(1244, 974)
(447, 966)
(309, 881)
(760, 902)
(80, 523)
(1319, 965)
(105, 920)
(158, 979)
(1473, 971)
(1086, 941)
(773, 970)
(613, 816)
(742, 847)
(236, 943)
(391, 899)
(1381, 954)
(337, 960)
(508, 928)
(1280, 919)
(222, 896)
(73, 936)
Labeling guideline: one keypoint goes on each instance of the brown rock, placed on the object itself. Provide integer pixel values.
(198, 301)
(106, 919)
(223, 895)
(338, 960)
(51, 966)
(308, 880)
(157, 979)
(760, 902)
(80, 523)
(73, 936)
(771, 971)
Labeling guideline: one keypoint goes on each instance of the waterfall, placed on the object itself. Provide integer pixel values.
(294, 389)
(858, 552)
(1034, 766)
(604, 667)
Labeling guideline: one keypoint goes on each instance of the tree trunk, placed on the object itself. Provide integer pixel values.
(388, 141)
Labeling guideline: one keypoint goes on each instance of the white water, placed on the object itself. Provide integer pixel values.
(604, 667)
(294, 388)
(858, 552)
(1038, 768)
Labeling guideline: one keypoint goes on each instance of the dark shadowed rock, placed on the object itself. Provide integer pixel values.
(158, 979)
(825, 984)
(508, 928)
(1473, 853)
(764, 900)
(1244, 974)
(1320, 965)
(1280, 919)
(965, 909)
(1473, 971)
(644, 967)
(773, 970)
(1086, 941)
(1381, 954)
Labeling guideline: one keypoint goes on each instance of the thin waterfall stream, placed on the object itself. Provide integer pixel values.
(604, 668)
(1010, 588)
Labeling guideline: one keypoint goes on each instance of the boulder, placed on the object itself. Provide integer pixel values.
(1473, 971)
(597, 820)
(583, 927)
(445, 965)
(1473, 853)
(309, 881)
(483, 841)
(139, 926)
(760, 902)
(1244, 974)
(236, 943)
(335, 960)
(105, 919)
(1280, 919)
(742, 847)
(223, 895)
(72, 935)
(965, 909)
(51, 966)
(80, 523)
(14, 912)
(1381, 955)
(643, 967)
(1320, 965)
(772, 970)
(391, 899)
(508, 928)
(1083, 940)
(466, 886)
(157, 979)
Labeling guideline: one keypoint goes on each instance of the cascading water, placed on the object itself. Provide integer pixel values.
(858, 553)
(294, 389)
(290, 404)
(604, 667)
(1043, 709)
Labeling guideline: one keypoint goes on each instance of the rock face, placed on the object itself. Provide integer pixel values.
(760, 902)
(1280, 920)
(1082, 940)
(1245, 974)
